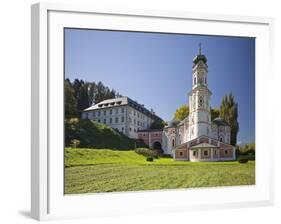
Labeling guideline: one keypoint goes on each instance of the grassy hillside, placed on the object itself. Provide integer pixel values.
(82, 157)
(104, 170)
(95, 135)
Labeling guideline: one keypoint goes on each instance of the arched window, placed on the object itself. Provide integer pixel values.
(173, 142)
(221, 139)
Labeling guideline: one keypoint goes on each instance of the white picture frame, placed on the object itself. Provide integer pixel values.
(48, 201)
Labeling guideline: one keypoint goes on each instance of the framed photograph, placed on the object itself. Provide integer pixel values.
(148, 111)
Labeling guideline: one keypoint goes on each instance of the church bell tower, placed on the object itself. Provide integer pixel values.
(199, 99)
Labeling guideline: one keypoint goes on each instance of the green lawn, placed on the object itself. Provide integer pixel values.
(104, 170)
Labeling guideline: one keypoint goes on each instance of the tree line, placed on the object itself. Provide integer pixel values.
(228, 111)
(79, 95)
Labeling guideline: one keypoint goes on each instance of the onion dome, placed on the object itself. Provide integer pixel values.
(220, 122)
(199, 57)
(173, 123)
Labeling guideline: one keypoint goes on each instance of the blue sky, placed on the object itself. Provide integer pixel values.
(155, 69)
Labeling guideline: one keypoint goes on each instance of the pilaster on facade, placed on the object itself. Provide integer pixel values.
(212, 153)
(234, 153)
(149, 140)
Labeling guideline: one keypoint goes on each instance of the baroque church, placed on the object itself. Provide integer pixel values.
(197, 138)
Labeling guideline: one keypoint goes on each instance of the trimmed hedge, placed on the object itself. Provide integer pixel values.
(146, 152)
(243, 160)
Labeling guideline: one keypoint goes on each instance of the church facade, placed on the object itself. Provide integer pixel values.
(197, 138)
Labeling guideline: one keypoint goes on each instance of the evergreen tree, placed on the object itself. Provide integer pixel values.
(215, 112)
(158, 124)
(229, 112)
(70, 102)
(86, 94)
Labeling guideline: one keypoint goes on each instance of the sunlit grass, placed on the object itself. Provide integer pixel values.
(105, 170)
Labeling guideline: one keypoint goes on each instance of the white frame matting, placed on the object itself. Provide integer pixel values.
(48, 200)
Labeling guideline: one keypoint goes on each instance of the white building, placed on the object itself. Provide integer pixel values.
(197, 138)
(123, 114)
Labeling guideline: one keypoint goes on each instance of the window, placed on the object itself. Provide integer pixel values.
(173, 142)
(116, 111)
(110, 112)
(99, 120)
(116, 120)
(221, 139)
(110, 120)
(194, 80)
(94, 114)
(122, 119)
(194, 153)
(130, 129)
(181, 153)
(104, 121)
(122, 110)
(226, 152)
(206, 153)
(98, 113)
(215, 152)
(201, 101)
(104, 112)
(144, 135)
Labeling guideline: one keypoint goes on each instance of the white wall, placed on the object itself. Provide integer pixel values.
(15, 123)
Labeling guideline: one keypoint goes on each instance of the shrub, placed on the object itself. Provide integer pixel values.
(166, 156)
(149, 159)
(243, 160)
(75, 143)
(146, 152)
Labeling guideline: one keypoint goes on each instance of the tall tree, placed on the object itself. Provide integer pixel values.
(83, 97)
(88, 93)
(229, 112)
(70, 102)
(158, 124)
(182, 112)
(215, 112)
